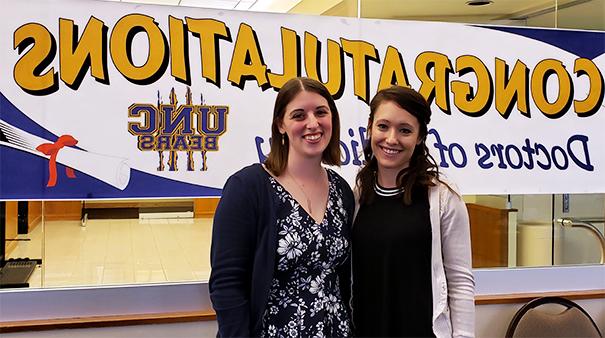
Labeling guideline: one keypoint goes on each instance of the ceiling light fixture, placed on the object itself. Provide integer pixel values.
(479, 2)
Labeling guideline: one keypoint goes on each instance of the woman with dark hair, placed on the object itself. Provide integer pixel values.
(411, 240)
(281, 233)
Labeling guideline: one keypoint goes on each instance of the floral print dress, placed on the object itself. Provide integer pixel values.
(304, 299)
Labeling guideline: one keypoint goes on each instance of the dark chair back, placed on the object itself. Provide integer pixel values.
(532, 320)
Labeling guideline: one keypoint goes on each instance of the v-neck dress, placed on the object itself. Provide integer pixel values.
(304, 298)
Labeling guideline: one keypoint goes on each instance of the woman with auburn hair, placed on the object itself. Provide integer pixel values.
(281, 234)
(411, 256)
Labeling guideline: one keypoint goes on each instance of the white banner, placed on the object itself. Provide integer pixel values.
(169, 101)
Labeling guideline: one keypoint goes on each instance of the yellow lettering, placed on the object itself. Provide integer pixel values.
(335, 82)
(360, 52)
(594, 99)
(89, 51)
(434, 89)
(543, 70)
(290, 56)
(179, 62)
(469, 103)
(511, 88)
(28, 69)
(393, 70)
(209, 31)
(247, 61)
(120, 46)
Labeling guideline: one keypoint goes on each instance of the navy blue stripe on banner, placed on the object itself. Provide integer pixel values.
(24, 176)
(585, 44)
(13, 116)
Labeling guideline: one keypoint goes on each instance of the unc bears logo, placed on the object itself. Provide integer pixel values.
(175, 128)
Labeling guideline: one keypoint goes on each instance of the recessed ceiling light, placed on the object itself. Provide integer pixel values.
(479, 2)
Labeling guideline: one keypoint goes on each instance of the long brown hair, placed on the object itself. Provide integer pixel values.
(422, 170)
(277, 160)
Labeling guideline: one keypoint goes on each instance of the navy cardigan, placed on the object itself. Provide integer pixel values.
(244, 246)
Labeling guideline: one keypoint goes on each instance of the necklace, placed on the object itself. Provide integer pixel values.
(387, 192)
(302, 190)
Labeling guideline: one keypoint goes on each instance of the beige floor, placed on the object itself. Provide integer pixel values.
(118, 251)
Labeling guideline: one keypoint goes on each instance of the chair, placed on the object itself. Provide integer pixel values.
(538, 318)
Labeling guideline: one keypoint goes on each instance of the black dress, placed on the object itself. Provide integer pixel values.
(305, 298)
(392, 293)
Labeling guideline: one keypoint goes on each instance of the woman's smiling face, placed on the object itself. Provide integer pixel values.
(308, 123)
(394, 135)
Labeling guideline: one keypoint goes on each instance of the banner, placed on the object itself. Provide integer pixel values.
(119, 100)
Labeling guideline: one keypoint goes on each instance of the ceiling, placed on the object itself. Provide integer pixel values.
(580, 14)
(429, 8)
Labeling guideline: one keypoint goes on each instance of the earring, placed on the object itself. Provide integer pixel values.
(283, 141)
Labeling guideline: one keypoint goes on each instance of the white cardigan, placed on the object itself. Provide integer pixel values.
(452, 277)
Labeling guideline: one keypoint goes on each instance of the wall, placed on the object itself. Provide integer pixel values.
(176, 330)
(491, 321)
(11, 226)
(587, 15)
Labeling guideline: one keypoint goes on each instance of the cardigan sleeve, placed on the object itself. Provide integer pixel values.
(231, 255)
(456, 250)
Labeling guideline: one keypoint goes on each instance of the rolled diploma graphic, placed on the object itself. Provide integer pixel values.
(111, 170)
(114, 171)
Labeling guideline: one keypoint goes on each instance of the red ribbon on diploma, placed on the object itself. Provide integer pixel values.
(52, 149)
